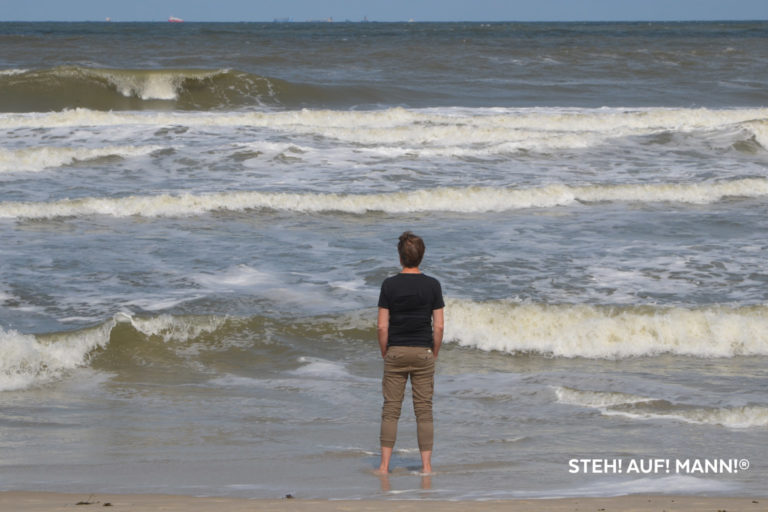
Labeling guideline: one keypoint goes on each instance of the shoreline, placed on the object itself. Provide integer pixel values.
(39, 501)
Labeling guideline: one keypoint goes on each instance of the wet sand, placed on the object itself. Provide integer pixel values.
(20, 501)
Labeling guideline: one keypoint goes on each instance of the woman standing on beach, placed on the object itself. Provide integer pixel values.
(410, 331)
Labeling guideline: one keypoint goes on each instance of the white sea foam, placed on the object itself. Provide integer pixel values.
(353, 285)
(646, 408)
(461, 200)
(161, 302)
(237, 278)
(672, 484)
(146, 84)
(235, 381)
(39, 158)
(12, 72)
(596, 399)
(760, 130)
(149, 87)
(279, 287)
(177, 328)
(445, 131)
(318, 368)
(607, 332)
(733, 417)
(28, 360)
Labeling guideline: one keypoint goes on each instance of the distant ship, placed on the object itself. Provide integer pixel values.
(173, 19)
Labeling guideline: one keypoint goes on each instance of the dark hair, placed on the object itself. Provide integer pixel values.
(411, 249)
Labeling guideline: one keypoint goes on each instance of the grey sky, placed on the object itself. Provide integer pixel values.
(384, 10)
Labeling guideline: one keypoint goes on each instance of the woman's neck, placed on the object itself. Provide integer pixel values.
(411, 270)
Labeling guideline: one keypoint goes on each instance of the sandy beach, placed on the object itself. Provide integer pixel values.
(196, 221)
(21, 501)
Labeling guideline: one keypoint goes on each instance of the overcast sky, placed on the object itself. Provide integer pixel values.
(384, 10)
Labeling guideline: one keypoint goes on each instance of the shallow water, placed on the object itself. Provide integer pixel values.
(195, 222)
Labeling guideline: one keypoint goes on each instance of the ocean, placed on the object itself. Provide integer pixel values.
(195, 219)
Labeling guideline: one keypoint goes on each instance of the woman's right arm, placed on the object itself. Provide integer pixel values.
(438, 325)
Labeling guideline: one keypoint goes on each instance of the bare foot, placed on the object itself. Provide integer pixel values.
(383, 475)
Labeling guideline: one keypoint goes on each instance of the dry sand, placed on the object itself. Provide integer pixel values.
(15, 501)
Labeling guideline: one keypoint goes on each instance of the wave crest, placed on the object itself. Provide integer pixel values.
(28, 360)
(600, 332)
(644, 408)
(39, 158)
(431, 133)
(133, 89)
(460, 200)
(607, 332)
(67, 87)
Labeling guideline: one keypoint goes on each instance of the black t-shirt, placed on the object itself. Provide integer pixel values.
(410, 299)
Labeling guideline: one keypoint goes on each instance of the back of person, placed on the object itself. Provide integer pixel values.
(410, 332)
(410, 298)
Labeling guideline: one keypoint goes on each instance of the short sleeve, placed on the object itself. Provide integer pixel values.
(438, 303)
(383, 299)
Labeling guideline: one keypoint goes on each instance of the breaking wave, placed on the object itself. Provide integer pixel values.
(28, 360)
(598, 332)
(64, 87)
(456, 130)
(607, 332)
(39, 158)
(645, 408)
(460, 200)
(456, 133)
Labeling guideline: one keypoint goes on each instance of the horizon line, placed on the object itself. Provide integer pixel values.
(331, 21)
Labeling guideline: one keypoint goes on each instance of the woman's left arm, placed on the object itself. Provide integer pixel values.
(382, 328)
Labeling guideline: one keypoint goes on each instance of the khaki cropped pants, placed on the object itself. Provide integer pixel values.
(418, 363)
